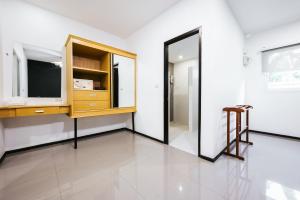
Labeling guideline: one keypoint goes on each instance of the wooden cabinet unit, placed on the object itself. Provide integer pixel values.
(91, 62)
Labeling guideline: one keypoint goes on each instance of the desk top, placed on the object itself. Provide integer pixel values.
(31, 106)
(32, 110)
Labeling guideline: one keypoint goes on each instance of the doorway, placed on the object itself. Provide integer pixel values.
(182, 92)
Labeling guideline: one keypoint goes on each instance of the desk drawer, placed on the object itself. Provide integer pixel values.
(83, 106)
(36, 111)
(5, 113)
(80, 95)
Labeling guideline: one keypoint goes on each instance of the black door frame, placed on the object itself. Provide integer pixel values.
(166, 83)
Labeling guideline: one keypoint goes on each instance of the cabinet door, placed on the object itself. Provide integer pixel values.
(123, 81)
(82, 95)
(85, 106)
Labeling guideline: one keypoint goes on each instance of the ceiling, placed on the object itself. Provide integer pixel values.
(259, 15)
(184, 49)
(119, 17)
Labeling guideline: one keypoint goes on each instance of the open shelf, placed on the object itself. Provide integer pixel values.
(91, 59)
(89, 71)
(100, 80)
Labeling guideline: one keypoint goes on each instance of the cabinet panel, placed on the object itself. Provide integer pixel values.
(64, 110)
(83, 106)
(80, 95)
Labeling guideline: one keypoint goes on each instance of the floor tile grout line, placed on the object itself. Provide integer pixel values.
(57, 178)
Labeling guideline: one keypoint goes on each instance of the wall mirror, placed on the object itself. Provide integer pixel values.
(36, 72)
(123, 81)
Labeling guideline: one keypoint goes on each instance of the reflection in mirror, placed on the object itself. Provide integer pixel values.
(16, 75)
(36, 72)
(123, 81)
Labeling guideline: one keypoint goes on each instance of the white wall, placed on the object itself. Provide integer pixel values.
(19, 50)
(193, 96)
(181, 93)
(1, 53)
(24, 23)
(28, 24)
(274, 111)
(2, 146)
(222, 57)
(186, 93)
(28, 131)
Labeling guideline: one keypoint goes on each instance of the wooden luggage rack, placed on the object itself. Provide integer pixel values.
(239, 109)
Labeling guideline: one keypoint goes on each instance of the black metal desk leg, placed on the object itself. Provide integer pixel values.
(132, 119)
(247, 124)
(75, 133)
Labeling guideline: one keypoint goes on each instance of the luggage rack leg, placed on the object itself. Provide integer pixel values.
(238, 110)
(228, 132)
(237, 135)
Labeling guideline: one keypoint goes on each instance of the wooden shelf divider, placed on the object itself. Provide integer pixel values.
(90, 71)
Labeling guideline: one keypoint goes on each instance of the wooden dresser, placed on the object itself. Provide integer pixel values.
(89, 60)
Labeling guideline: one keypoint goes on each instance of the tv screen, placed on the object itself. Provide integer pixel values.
(44, 79)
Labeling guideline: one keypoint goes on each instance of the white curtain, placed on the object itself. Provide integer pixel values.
(281, 59)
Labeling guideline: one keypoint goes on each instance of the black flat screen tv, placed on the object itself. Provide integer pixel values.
(44, 79)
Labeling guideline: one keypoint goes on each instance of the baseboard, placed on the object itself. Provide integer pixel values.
(275, 135)
(127, 129)
(70, 140)
(141, 134)
(207, 158)
(62, 141)
(3, 157)
(136, 132)
(217, 156)
(253, 131)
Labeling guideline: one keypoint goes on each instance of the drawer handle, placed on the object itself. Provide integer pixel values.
(39, 111)
(92, 95)
(92, 104)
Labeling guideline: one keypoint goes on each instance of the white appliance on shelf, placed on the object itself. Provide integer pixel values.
(83, 84)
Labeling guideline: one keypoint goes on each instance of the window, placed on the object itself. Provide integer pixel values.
(282, 67)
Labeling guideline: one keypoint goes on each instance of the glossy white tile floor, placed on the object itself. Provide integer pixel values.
(181, 138)
(125, 166)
